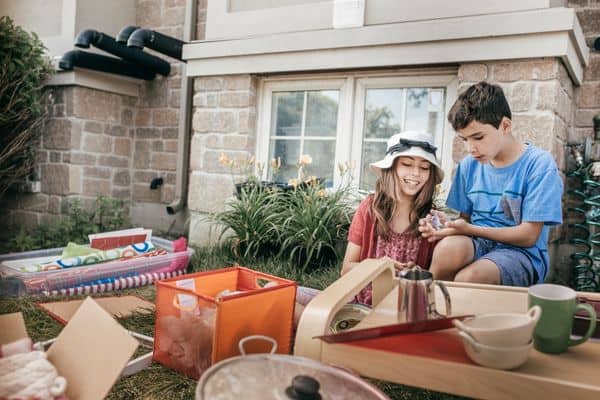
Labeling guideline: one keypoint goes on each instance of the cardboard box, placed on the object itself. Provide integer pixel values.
(90, 352)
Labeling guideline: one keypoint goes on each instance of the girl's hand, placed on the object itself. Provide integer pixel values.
(399, 266)
(455, 227)
(433, 222)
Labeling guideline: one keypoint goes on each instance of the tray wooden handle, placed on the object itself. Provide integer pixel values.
(318, 314)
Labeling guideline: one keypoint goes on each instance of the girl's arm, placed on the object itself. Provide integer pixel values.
(351, 258)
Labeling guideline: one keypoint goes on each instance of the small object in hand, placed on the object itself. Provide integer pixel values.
(435, 222)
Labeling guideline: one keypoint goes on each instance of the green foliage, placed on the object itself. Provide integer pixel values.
(107, 214)
(304, 225)
(23, 70)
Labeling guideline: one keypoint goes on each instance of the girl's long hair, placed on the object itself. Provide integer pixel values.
(385, 201)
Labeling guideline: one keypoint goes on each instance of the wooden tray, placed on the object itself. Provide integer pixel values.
(436, 360)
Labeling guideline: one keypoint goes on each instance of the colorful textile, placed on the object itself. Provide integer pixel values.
(93, 258)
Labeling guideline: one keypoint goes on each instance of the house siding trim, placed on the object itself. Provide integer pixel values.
(541, 33)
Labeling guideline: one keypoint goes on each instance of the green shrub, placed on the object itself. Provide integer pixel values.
(23, 70)
(108, 214)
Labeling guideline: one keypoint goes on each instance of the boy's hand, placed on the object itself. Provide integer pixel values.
(433, 222)
(449, 228)
(399, 266)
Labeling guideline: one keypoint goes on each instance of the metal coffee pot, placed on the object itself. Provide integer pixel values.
(416, 295)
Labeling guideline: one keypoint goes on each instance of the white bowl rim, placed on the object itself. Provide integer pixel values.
(504, 349)
(526, 320)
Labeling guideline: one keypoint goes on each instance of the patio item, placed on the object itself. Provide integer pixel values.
(435, 324)
(416, 300)
(438, 360)
(499, 357)
(276, 376)
(198, 324)
(504, 329)
(112, 275)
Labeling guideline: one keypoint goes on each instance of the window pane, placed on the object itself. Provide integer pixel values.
(321, 113)
(424, 108)
(383, 112)
(323, 156)
(372, 151)
(286, 117)
(289, 152)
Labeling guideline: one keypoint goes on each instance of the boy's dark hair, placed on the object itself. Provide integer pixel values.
(482, 102)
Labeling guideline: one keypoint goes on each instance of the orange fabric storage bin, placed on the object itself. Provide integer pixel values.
(201, 317)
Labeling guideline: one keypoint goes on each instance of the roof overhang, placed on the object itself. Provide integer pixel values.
(553, 32)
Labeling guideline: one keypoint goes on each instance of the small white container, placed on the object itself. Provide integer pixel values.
(495, 357)
(503, 330)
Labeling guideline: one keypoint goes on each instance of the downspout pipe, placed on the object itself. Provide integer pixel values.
(184, 137)
(164, 44)
(98, 62)
(109, 44)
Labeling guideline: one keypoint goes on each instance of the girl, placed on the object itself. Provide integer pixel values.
(385, 223)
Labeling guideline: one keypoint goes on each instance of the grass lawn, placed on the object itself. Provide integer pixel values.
(157, 382)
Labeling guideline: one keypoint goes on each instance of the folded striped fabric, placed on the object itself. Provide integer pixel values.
(96, 257)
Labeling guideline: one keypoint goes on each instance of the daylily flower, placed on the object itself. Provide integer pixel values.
(294, 182)
(275, 163)
(305, 159)
(223, 159)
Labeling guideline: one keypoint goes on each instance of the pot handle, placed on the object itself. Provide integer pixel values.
(257, 337)
(446, 298)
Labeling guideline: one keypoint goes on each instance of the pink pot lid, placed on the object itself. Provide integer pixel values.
(277, 376)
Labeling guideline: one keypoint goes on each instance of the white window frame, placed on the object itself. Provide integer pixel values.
(352, 87)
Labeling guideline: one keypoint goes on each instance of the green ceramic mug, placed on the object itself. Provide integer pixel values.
(552, 333)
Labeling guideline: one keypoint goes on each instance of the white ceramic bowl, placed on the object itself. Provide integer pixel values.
(503, 330)
(495, 357)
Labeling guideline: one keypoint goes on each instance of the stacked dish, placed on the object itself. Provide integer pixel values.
(501, 341)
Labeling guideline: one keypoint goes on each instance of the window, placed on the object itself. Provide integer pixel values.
(349, 118)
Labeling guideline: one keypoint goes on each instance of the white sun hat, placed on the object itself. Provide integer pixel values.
(411, 144)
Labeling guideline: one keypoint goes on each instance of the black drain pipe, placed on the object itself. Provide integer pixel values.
(125, 32)
(98, 62)
(109, 44)
(156, 41)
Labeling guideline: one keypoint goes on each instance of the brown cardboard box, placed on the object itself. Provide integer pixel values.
(90, 352)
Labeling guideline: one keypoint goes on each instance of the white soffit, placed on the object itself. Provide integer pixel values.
(96, 80)
(551, 32)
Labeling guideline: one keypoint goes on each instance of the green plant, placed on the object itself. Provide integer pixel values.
(251, 218)
(106, 214)
(23, 70)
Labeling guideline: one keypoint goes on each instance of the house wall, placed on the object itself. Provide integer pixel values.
(98, 142)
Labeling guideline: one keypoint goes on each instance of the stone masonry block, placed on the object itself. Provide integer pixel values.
(157, 145)
(143, 193)
(170, 133)
(588, 95)
(208, 192)
(165, 117)
(170, 146)
(196, 150)
(240, 82)
(55, 157)
(95, 187)
(210, 83)
(204, 99)
(127, 117)
(143, 117)
(521, 96)
(472, 72)
(122, 177)
(167, 193)
(164, 161)
(121, 193)
(148, 13)
(550, 96)
(211, 163)
(115, 130)
(175, 98)
(141, 154)
(234, 99)
(147, 133)
(95, 143)
(55, 178)
(536, 128)
(54, 204)
(525, 70)
(96, 172)
(93, 127)
(34, 202)
(237, 142)
(96, 105)
(247, 121)
(122, 147)
(143, 176)
(57, 135)
(214, 121)
(154, 94)
(113, 161)
(592, 71)
(583, 118)
(589, 19)
(173, 16)
(77, 158)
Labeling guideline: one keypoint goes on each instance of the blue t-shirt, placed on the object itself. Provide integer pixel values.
(528, 190)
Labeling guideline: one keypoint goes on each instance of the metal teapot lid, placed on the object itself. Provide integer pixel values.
(281, 377)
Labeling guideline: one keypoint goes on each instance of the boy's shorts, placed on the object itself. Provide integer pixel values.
(515, 266)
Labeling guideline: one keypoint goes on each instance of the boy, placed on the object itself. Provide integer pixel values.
(507, 192)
